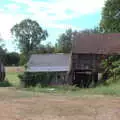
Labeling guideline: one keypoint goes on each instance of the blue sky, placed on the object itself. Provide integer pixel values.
(54, 15)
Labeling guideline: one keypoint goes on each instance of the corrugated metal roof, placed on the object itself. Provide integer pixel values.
(48, 62)
(97, 43)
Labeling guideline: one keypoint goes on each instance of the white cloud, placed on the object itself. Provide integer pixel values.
(6, 23)
(12, 7)
(60, 26)
(59, 7)
(48, 14)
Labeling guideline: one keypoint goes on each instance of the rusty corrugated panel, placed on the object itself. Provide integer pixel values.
(97, 43)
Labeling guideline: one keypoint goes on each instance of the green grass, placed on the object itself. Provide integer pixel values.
(13, 78)
(110, 89)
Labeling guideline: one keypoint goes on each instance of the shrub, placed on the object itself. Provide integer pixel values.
(5, 84)
(32, 79)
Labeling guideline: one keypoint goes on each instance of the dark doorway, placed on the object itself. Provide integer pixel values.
(82, 79)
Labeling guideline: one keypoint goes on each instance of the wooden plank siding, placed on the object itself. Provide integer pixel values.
(86, 62)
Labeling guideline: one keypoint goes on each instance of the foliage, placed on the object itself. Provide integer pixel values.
(111, 67)
(110, 21)
(5, 84)
(48, 48)
(12, 58)
(2, 50)
(91, 31)
(32, 79)
(28, 35)
(111, 89)
(2, 54)
(23, 59)
(64, 42)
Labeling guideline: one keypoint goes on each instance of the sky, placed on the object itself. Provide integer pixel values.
(53, 15)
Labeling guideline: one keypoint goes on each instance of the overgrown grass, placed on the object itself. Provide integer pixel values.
(110, 88)
(12, 78)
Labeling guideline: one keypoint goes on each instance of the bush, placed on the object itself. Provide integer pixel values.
(32, 79)
(5, 84)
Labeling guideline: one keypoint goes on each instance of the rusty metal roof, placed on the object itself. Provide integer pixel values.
(97, 43)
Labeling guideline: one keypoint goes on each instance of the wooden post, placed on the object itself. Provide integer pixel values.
(56, 79)
(47, 78)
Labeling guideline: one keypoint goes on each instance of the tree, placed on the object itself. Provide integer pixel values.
(2, 51)
(2, 54)
(110, 21)
(95, 30)
(91, 31)
(64, 42)
(28, 35)
(23, 59)
(48, 48)
(12, 58)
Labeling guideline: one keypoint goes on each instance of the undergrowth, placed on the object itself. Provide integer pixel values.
(109, 88)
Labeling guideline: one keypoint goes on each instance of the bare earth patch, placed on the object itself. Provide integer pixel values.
(18, 106)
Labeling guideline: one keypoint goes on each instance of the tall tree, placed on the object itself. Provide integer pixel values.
(64, 42)
(110, 21)
(28, 35)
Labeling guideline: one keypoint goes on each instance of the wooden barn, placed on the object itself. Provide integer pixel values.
(83, 65)
(87, 52)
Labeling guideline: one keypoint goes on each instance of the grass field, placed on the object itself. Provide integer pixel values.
(12, 75)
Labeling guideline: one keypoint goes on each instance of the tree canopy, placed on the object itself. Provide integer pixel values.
(28, 35)
(12, 58)
(2, 50)
(110, 21)
(48, 48)
(64, 42)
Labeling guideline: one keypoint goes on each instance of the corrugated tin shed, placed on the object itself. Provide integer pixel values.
(49, 63)
(97, 43)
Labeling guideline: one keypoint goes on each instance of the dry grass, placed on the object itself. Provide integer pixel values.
(14, 69)
(21, 105)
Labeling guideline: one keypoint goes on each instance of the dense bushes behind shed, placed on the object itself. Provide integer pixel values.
(32, 79)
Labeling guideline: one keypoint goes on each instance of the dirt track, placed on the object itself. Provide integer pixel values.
(18, 106)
